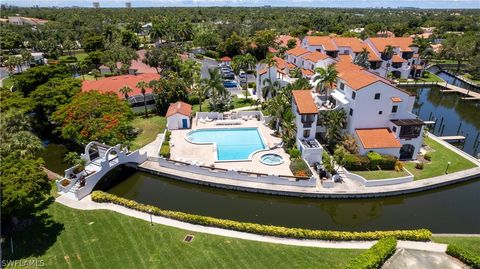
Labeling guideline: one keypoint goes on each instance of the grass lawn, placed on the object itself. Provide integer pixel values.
(151, 126)
(469, 243)
(205, 107)
(80, 56)
(104, 239)
(443, 61)
(383, 174)
(242, 102)
(440, 157)
(430, 77)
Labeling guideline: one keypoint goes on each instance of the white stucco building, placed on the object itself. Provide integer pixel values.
(179, 116)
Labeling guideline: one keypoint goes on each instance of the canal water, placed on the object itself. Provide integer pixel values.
(454, 209)
(450, 79)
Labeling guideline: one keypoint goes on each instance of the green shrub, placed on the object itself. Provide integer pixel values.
(165, 150)
(252, 85)
(199, 56)
(356, 162)
(294, 153)
(193, 99)
(375, 159)
(374, 257)
(212, 54)
(427, 156)
(300, 168)
(168, 134)
(469, 258)
(388, 162)
(415, 235)
(69, 59)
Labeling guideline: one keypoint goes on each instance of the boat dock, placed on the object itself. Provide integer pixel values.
(452, 138)
(468, 95)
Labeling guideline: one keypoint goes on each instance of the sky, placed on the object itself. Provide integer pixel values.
(291, 3)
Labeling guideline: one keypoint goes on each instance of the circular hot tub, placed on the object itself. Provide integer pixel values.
(271, 159)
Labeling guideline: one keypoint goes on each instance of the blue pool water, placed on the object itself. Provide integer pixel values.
(232, 144)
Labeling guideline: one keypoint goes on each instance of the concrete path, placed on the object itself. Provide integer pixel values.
(419, 259)
(87, 204)
(153, 147)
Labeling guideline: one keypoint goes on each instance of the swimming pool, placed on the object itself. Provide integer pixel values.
(232, 144)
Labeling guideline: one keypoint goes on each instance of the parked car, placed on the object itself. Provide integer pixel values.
(226, 69)
(230, 84)
(229, 75)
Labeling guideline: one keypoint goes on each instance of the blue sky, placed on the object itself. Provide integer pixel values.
(298, 3)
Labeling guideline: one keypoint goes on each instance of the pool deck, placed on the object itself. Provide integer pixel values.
(184, 150)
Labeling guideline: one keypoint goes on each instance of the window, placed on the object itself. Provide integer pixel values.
(345, 52)
(377, 96)
(313, 67)
(319, 50)
(394, 129)
(354, 94)
(410, 131)
(394, 109)
(294, 60)
(351, 112)
(380, 112)
(306, 133)
(342, 87)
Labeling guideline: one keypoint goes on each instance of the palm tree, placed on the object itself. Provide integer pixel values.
(387, 55)
(125, 90)
(84, 68)
(326, 77)
(246, 62)
(188, 70)
(334, 121)
(214, 85)
(423, 45)
(361, 58)
(269, 61)
(288, 128)
(200, 89)
(26, 56)
(271, 88)
(96, 73)
(143, 85)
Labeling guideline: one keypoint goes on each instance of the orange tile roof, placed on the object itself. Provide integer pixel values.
(345, 57)
(325, 41)
(352, 42)
(179, 107)
(291, 65)
(304, 101)
(355, 76)
(398, 59)
(226, 59)
(280, 63)
(282, 40)
(297, 51)
(113, 84)
(315, 56)
(397, 42)
(307, 72)
(371, 54)
(377, 138)
(263, 71)
(396, 99)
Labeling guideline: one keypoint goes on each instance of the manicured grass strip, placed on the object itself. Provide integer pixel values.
(440, 158)
(151, 127)
(242, 102)
(469, 243)
(205, 107)
(375, 256)
(8, 82)
(380, 174)
(68, 238)
(414, 235)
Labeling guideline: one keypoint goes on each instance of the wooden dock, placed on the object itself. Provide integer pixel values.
(452, 138)
(467, 95)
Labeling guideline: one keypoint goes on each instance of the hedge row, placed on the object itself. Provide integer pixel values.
(415, 235)
(374, 257)
(165, 148)
(373, 161)
(467, 257)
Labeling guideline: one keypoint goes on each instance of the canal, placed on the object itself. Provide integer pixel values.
(453, 209)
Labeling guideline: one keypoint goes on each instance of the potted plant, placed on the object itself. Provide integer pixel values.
(74, 159)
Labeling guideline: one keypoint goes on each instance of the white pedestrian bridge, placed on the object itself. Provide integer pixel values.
(100, 159)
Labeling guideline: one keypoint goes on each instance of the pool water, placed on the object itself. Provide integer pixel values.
(271, 159)
(232, 144)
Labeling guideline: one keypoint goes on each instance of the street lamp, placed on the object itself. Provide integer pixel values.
(151, 220)
(446, 169)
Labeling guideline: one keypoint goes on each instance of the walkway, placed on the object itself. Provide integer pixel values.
(407, 258)
(153, 147)
(88, 204)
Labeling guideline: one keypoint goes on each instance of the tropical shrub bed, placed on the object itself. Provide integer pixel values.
(467, 257)
(373, 161)
(374, 257)
(300, 168)
(415, 235)
(165, 148)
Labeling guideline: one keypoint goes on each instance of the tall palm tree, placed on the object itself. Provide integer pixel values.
(214, 85)
(188, 70)
(387, 55)
(269, 61)
(326, 78)
(143, 85)
(125, 90)
(423, 45)
(201, 90)
(270, 88)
